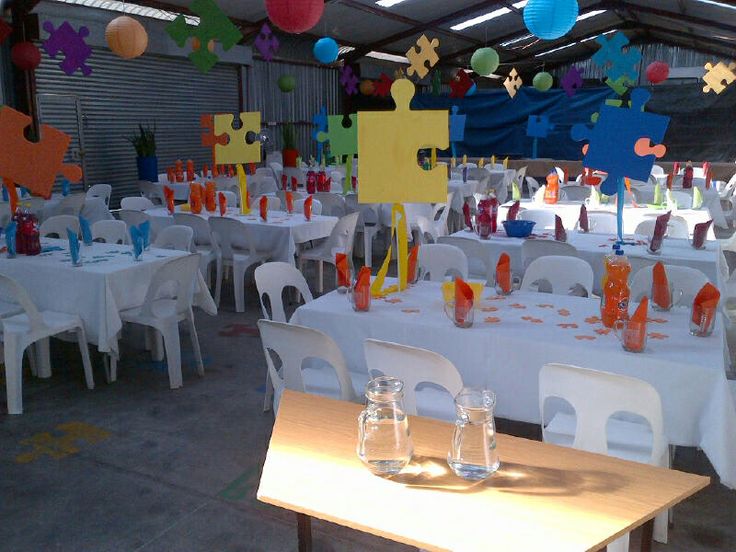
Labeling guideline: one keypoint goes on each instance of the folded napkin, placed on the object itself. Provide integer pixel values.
(657, 194)
(86, 230)
(284, 181)
(583, 219)
(362, 289)
(210, 199)
(466, 215)
(636, 334)
(661, 287)
(294, 183)
(229, 171)
(513, 211)
(560, 233)
(10, 231)
(252, 168)
(463, 300)
(505, 163)
(170, 174)
(515, 191)
(465, 174)
(205, 171)
(697, 198)
(137, 239)
(190, 170)
(169, 196)
(670, 200)
(343, 270)
(145, 229)
(465, 159)
(660, 228)
(707, 173)
(65, 187)
(704, 306)
(503, 273)
(289, 200)
(411, 273)
(700, 232)
(195, 199)
(222, 202)
(308, 208)
(263, 207)
(453, 162)
(73, 245)
(481, 162)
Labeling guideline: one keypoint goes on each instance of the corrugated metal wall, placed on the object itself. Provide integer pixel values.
(119, 94)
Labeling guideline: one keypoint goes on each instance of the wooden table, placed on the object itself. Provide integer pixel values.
(543, 497)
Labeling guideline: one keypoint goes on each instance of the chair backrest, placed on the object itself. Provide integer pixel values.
(196, 223)
(561, 176)
(71, 205)
(103, 191)
(684, 278)
(58, 224)
(176, 236)
(132, 217)
(271, 279)
(602, 222)
(14, 293)
(136, 203)
(545, 219)
(596, 396)
(333, 205)
(413, 366)
(274, 203)
(676, 228)
(316, 206)
(533, 249)
(231, 236)
(656, 169)
(110, 231)
(296, 196)
(481, 264)
(342, 236)
(179, 271)
(264, 171)
(294, 344)
(277, 169)
(684, 199)
(232, 198)
(574, 193)
(562, 272)
(532, 185)
(520, 176)
(439, 259)
(152, 191)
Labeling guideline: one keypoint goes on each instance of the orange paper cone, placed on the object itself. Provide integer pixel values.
(463, 300)
(661, 287)
(704, 306)
(263, 206)
(412, 264)
(503, 273)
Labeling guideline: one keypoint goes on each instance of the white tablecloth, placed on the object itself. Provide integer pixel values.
(94, 209)
(279, 235)
(711, 199)
(512, 338)
(108, 281)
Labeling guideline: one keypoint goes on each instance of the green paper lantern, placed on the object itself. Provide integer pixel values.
(542, 81)
(484, 61)
(287, 83)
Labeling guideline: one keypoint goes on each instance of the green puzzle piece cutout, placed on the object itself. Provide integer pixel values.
(343, 141)
(213, 25)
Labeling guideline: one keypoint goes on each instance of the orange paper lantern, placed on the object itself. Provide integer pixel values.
(126, 37)
(367, 87)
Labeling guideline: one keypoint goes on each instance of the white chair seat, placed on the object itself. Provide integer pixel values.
(160, 308)
(60, 321)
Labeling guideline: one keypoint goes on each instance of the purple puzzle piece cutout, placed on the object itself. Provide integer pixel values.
(266, 42)
(348, 80)
(71, 43)
(572, 80)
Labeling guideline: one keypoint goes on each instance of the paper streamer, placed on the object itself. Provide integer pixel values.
(347, 183)
(398, 235)
(243, 182)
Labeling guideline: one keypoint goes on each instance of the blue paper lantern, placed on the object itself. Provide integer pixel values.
(325, 50)
(550, 19)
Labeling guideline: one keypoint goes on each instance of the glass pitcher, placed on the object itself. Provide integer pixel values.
(384, 441)
(473, 455)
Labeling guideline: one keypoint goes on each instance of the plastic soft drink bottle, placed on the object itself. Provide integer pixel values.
(552, 190)
(615, 296)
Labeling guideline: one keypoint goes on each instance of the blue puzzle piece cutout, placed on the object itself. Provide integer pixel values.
(457, 125)
(612, 141)
(320, 122)
(617, 63)
(538, 126)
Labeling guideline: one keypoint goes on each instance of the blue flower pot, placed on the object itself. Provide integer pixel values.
(148, 168)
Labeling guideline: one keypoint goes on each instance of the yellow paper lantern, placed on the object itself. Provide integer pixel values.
(126, 37)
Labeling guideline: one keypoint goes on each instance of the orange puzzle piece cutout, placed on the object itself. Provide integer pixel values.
(209, 140)
(33, 165)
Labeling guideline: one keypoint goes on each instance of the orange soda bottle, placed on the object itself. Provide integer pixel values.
(552, 190)
(616, 292)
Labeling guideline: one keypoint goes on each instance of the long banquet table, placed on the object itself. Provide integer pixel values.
(514, 336)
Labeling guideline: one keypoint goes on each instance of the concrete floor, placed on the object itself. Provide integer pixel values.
(134, 466)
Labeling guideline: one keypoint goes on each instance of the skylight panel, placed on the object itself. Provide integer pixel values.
(387, 57)
(388, 3)
(486, 17)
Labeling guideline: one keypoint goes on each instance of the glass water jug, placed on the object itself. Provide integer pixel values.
(473, 455)
(384, 441)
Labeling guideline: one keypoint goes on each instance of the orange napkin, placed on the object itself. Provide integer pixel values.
(12, 195)
(190, 170)
(263, 206)
(463, 300)
(169, 196)
(205, 171)
(362, 290)
(179, 171)
(294, 183)
(195, 198)
(637, 327)
(308, 208)
(210, 200)
(503, 273)
(215, 171)
(708, 176)
(289, 197)
(170, 174)
(560, 233)
(412, 265)
(222, 200)
(252, 167)
(343, 270)
(704, 305)
(661, 287)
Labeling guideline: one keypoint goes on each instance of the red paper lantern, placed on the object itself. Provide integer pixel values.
(25, 55)
(295, 16)
(657, 71)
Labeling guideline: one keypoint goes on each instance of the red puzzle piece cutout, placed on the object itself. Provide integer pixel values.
(33, 165)
(209, 140)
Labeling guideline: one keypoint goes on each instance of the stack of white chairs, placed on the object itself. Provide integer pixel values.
(202, 241)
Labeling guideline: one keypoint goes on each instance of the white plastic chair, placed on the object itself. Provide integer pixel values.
(563, 273)
(676, 228)
(274, 203)
(235, 249)
(683, 278)
(152, 191)
(545, 219)
(340, 240)
(416, 368)
(103, 191)
(316, 206)
(58, 224)
(136, 203)
(684, 200)
(533, 249)
(28, 327)
(277, 169)
(202, 240)
(296, 344)
(437, 260)
(532, 185)
(271, 279)
(169, 301)
(110, 231)
(176, 236)
(481, 263)
(333, 205)
(656, 169)
(436, 226)
(596, 396)
(231, 197)
(266, 183)
(132, 217)
(601, 222)
(574, 193)
(70, 205)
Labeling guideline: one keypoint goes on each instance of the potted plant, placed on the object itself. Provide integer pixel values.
(289, 151)
(144, 143)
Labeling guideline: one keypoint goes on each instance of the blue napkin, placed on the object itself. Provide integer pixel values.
(65, 187)
(145, 228)
(10, 231)
(86, 230)
(6, 197)
(73, 245)
(137, 238)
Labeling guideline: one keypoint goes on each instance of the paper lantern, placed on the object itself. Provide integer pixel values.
(295, 16)
(367, 87)
(550, 19)
(287, 83)
(542, 81)
(126, 37)
(657, 71)
(484, 61)
(325, 50)
(25, 56)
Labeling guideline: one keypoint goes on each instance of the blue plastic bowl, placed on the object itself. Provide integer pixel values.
(518, 228)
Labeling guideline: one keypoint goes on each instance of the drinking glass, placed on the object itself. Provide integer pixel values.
(631, 334)
(674, 295)
(702, 320)
(461, 317)
(473, 455)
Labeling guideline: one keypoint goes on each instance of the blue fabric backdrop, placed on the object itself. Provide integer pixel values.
(496, 123)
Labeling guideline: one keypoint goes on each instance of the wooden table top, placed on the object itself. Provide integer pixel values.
(543, 497)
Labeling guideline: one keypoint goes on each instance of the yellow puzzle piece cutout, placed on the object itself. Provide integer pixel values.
(237, 150)
(388, 143)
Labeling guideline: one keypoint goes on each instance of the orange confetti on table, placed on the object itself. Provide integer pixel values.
(568, 326)
(657, 335)
(593, 320)
(546, 306)
(496, 298)
(489, 309)
(657, 320)
(517, 306)
(532, 319)
(585, 337)
(410, 311)
(393, 300)
(563, 312)
(603, 331)
(491, 320)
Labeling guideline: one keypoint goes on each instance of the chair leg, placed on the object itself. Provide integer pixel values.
(195, 343)
(239, 285)
(14, 374)
(157, 349)
(320, 277)
(218, 282)
(86, 363)
(111, 367)
(43, 358)
(173, 353)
